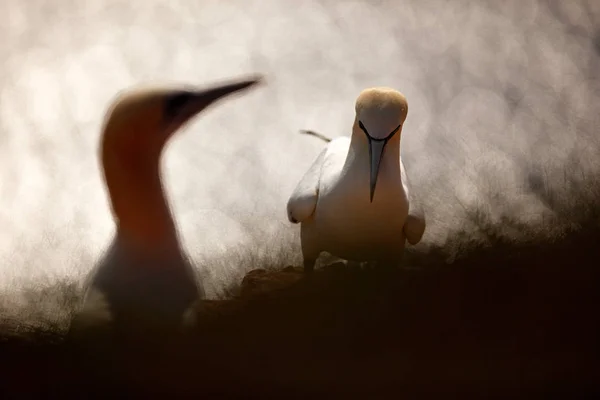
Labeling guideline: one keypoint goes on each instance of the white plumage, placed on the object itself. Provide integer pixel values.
(355, 200)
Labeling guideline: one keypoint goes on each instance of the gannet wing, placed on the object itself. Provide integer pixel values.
(303, 201)
(414, 226)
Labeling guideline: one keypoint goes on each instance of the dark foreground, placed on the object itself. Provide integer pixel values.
(503, 323)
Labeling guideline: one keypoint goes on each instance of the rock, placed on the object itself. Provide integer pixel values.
(335, 267)
(261, 281)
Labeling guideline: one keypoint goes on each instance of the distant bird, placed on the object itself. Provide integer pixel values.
(354, 201)
(145, 284)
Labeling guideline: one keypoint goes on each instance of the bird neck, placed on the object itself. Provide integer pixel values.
(139, 205)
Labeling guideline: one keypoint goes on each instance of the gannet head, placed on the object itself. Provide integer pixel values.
(380, 113)
(141, 120)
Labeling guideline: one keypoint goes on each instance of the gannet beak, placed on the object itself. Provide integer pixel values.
(201, 99)
(376, 148)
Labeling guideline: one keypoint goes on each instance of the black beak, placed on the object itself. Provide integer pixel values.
(203, 98)
(182, 106)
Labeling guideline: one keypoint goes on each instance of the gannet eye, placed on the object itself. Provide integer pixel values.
(175, 103)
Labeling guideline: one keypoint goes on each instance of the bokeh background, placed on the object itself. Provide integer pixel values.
(501, 137)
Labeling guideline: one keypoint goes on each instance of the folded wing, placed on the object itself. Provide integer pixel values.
(415, 224)
(303, 201)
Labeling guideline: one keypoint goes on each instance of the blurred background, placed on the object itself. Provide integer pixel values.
(501, 137)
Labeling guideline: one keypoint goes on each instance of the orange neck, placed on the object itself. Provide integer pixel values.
(141, 211)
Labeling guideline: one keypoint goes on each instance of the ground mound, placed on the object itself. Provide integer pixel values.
(502, 322)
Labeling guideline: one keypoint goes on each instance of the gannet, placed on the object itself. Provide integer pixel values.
(354, 202)
(145, 283)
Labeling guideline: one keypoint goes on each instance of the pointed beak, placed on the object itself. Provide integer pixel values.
(204, 98)
(376, 148)
(200, 99)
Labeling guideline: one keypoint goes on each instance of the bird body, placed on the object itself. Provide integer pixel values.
(145, 285)
(332, 200)
(137, 290)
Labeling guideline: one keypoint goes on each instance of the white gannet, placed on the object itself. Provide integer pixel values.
(353, 202)
(145, 283)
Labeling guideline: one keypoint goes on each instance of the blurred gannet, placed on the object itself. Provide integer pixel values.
(336, 203)
(145, 282)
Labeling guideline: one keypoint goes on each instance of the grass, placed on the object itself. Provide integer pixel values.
(506, 320)
(500, 310)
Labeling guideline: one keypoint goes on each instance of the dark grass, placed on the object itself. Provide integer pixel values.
(503, 310)
(503, 322)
